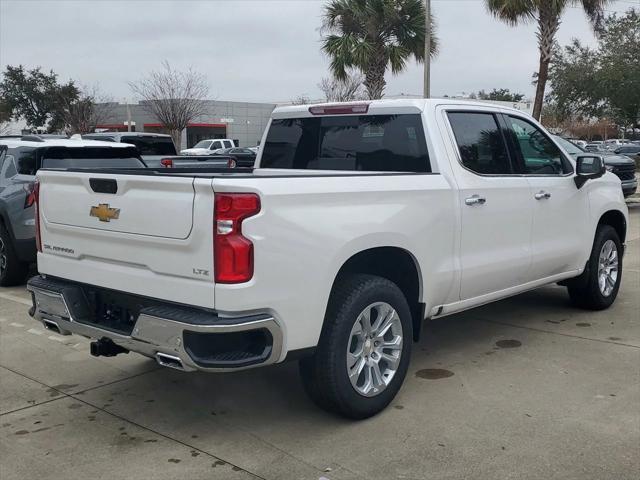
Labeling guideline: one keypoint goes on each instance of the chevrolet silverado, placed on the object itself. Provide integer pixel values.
(359, 222)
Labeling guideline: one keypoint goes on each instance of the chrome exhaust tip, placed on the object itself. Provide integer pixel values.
(54, 327)
(169, 361)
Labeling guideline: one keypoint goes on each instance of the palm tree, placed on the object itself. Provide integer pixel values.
(371, 35)
(547, 14)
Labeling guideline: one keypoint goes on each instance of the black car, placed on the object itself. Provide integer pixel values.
(623, 166)
(244, 157)
(630, 150)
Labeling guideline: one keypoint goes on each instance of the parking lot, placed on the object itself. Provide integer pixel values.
(524, 388)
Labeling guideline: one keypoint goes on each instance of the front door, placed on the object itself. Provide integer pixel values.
(496, 207)
(560, 209)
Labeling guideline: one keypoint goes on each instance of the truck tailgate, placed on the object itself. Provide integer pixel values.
(133, 233)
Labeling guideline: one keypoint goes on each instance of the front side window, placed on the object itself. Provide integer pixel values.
(480, 142)
(539, 155)
(376, 143)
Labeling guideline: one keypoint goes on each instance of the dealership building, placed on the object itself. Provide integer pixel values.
(241, 121)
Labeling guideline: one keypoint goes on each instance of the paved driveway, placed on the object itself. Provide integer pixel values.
(525, 388)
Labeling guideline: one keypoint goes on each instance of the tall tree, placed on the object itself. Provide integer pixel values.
(175, 97)
(603, 81)
(547, 15)
(373, 35)
(35, 96)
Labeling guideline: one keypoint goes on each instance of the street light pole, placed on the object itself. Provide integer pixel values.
(427, 51)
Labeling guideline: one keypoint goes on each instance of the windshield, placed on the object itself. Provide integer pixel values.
(203, 144)
(571, 148)
(151, 145)
(91, 157)
(376, 143)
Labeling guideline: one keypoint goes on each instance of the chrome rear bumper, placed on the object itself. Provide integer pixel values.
(158, 332)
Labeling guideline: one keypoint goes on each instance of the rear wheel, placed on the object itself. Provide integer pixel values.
(599, 287)
(363, 353)
(12, 270)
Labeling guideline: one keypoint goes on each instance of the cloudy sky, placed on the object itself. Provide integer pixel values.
(256, 50)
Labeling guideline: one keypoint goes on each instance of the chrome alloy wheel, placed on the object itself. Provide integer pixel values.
(374, 349)
(3, 257)
(608, 265)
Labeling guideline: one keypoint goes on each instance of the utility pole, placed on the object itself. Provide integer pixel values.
(427, 50)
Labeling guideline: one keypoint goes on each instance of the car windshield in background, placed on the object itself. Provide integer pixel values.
(151, 145)
(377, 143)
(203, 144)
(91, 157)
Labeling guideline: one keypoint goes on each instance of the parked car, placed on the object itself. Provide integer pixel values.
(594, 147)
(359, 221)
(621, 165)
(153, 147)
(630, 150)
(206, 147)
(19, 162)
(245, 157)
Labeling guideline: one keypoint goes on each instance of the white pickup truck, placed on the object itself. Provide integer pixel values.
(360, 221)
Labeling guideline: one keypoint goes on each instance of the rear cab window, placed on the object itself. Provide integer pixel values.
(91, 157)
(376, 143)
(151, 145)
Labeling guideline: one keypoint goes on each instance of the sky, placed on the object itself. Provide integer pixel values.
(257, 50)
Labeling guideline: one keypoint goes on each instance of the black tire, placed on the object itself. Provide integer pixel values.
(324, 375)
(14, 272)
(585, 291)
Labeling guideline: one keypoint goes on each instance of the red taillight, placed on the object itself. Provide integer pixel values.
(30, 199)
(166, 162)
(233, 252)
(339, 109)
(36, 201)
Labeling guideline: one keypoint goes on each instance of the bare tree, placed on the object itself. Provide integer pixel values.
(174, 97)
(351, 88)
(301, 99)
(85, 113)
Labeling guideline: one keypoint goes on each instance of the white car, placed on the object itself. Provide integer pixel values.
(359, 222)
(208, 147)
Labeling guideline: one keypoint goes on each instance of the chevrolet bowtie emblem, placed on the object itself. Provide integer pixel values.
(104, 213)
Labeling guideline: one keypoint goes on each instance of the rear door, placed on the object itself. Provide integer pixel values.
(559, 208)
(495, 242)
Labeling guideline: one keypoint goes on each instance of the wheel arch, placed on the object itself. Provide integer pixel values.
(617, 220)
(397, 265)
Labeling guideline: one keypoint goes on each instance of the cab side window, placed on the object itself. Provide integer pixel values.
(8, 168)
(480, 142)
(24, 160)
(538, 154)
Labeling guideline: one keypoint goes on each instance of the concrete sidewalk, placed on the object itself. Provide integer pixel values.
(526, 388)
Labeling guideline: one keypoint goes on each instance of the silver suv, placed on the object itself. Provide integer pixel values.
(20, 159)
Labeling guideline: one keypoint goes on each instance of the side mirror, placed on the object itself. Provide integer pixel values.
(588, 167)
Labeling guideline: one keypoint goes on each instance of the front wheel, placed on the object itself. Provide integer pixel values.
(599, 286)
(364, 349)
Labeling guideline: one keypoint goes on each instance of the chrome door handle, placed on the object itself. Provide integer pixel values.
(475, 200)
(542, 195)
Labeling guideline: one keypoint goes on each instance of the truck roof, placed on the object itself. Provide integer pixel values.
(58, 142)
(390, 106)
